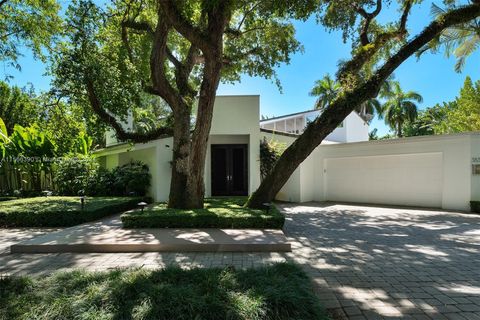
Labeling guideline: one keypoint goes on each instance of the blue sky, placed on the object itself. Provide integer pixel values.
(432, 76)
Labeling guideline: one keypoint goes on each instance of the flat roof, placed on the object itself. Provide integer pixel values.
(288, 115)
(412, 139)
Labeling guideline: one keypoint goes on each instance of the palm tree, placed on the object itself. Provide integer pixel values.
(400, 107)
(326, 90)
(460, 40)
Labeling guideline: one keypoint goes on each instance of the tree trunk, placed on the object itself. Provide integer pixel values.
(187, 188)
(180, 196)
(314, 134)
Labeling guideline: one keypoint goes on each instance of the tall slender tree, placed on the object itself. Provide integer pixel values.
(327, 89)
(383, 47)
(400, 107)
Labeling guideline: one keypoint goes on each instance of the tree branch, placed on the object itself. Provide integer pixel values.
(183, 26)
(121, 133)
(403, 19)
(368, 17)
(139, 26)
(158, 55)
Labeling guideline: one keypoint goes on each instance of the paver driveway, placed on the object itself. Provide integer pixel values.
(386, 263)
(367, 262)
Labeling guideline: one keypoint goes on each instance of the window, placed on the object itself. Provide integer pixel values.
(476, 169)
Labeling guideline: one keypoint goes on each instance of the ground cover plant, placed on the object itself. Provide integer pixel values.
(217, 213)
(280, 291)
(61, 211)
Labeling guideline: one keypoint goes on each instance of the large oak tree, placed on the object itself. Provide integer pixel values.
(151, 53)
(378, 49)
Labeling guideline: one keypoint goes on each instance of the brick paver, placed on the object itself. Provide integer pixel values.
(389, 263)
(366, 262)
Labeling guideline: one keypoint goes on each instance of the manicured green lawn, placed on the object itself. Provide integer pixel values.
(218, 213)
(281, 291)
(60, 211)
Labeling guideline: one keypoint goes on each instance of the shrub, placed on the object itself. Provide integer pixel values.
(475, 206)
(101, 184)
(61, 211)
(226, 213)
(83, 175)
(7, 198)
(74, 175)
(270, 151)
(131, 179)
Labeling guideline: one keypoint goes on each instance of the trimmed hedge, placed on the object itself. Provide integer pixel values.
(7, 198)
(61, 211)
(226, 213)
(475, 206)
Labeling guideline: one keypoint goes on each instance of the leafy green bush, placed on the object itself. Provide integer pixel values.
(227, 213)
(131, 179)
(61, 211)
(83, 174)
(270, 151)
(281, 291)
(74, 175)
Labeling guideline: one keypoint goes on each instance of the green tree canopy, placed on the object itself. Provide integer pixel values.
(27, 23)
(464, 113)
(17, 106)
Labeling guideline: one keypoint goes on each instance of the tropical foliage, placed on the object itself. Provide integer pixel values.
(327, 90)
(400, 107)
(460, 40)
(270, 151)
(28, 158)
(82, 175)
(463, 114)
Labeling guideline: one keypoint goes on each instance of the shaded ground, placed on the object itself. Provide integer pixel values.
(386, 263)
(367, 262)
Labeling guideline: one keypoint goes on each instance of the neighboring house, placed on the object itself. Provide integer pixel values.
(353, 129)
(432, 171)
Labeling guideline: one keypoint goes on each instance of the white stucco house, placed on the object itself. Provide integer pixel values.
(432, 171)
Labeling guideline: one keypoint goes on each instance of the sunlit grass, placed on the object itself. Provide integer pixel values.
(60, 211)
(281, 291)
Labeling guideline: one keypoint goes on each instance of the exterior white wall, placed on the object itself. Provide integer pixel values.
(356, 128)
(235, 121)
(453, 153)
(475, 159)
(237, 116)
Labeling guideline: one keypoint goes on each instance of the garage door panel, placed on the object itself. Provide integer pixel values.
(413, 179)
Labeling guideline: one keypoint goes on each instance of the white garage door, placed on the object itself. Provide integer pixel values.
(409, 179)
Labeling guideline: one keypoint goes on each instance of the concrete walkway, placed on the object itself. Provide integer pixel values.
(108, 236)
(366, 262)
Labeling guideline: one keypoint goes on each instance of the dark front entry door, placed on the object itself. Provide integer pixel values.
(229, 170)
